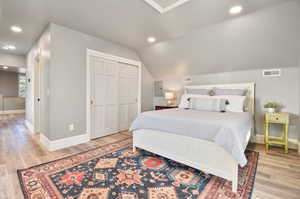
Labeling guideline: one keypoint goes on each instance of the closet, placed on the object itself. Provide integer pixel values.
(114, 95)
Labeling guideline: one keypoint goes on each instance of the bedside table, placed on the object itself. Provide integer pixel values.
(277, 118)
(164, 107)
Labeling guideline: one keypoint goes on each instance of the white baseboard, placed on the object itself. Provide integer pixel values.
(12, 111)
(293, 143)
(63, 143)
(29, 126)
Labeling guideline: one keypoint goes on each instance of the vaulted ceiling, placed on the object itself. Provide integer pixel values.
(128, 22)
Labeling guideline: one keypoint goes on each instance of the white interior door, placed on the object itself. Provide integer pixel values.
(104, 93)
(128, 95)
(37, 95)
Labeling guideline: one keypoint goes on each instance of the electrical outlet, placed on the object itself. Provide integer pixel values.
(71, 127)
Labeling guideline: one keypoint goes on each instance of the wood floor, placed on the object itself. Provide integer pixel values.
(278, 174)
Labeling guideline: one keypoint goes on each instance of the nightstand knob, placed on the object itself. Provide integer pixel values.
(277, 118)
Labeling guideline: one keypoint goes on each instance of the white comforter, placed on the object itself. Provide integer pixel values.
(227, 130)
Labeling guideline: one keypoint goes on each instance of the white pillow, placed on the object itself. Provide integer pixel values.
(185, 103)
(235, 103)
(208, 104)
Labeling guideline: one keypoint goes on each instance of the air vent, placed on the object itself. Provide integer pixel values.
(272, 73)
(187, 79)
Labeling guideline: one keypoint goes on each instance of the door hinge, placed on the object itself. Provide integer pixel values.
(92, 102)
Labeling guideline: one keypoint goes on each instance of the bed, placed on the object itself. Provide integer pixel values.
(213, 142)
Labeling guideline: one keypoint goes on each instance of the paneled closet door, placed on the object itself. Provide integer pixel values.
(105, 105)
(128, 95)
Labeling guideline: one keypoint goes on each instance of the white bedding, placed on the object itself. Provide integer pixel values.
(227, 130)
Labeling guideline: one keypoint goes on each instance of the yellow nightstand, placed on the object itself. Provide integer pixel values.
(277, 118)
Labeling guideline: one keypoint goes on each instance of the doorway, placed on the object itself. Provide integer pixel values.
(113, 93)
(37, 94)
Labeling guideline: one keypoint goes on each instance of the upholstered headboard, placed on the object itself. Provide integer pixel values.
(250, 87)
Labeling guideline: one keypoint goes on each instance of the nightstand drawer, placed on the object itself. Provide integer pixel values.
(164, 107)
(277, 117)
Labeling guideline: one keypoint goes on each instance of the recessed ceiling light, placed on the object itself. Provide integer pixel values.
(5, 67)
(16, 29)
(151, 39)
(9, 47)
(236, 10)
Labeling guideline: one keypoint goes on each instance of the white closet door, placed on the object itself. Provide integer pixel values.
(128, 95)
(105, 105)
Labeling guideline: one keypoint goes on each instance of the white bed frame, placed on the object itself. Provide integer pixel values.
(200, 154)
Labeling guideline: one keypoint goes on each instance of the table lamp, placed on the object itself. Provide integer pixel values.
(170, 96)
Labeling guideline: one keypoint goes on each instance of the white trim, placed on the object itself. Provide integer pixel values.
(293, 143)
(29, 126)
(162, 10)
(88, 81)
(113, 57)
(12, 111)
(155, 5)
(63, 143)
(175, 5)
(45, 141)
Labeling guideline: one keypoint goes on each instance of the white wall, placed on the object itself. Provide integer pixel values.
(283, 90)
(12, 60)
(9, 83)
(147, 90)
(42, 49)
(68, 78)
(299, 97)
(63, 61)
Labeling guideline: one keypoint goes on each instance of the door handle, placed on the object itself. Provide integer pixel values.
(38, 99)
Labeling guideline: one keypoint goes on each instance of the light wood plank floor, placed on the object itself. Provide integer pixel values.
(278, 174)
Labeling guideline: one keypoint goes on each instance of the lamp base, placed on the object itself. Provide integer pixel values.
(170, 103)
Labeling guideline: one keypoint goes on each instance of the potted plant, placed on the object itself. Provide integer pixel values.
(270, 107)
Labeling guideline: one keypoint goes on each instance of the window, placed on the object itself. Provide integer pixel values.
(22, 85)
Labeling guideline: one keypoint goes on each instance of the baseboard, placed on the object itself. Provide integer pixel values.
(29, 126)
(293, 143)
(12, 111)
(63, 143)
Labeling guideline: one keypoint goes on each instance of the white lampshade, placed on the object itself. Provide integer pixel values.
(169, 95)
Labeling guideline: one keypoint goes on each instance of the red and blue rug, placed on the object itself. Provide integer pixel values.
(115, 172)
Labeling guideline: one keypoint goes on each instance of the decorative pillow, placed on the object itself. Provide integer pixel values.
(234, 103)
(208, 104)
(223, 91)
(198, 91)
(185, 99)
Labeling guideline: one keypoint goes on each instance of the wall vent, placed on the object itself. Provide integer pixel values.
(272, 73)
(187, 79)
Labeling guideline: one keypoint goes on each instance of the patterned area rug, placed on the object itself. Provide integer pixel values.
(115, 172)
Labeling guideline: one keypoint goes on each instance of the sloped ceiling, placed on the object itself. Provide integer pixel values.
(128, 22)
(131, 22)
(265, 39)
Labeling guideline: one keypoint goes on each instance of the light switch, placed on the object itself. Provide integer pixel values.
(71, 127)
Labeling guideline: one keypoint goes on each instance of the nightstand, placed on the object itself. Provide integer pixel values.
(277, 118)
(164, 107)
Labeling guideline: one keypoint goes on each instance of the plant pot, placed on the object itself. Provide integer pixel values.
(270, 110)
